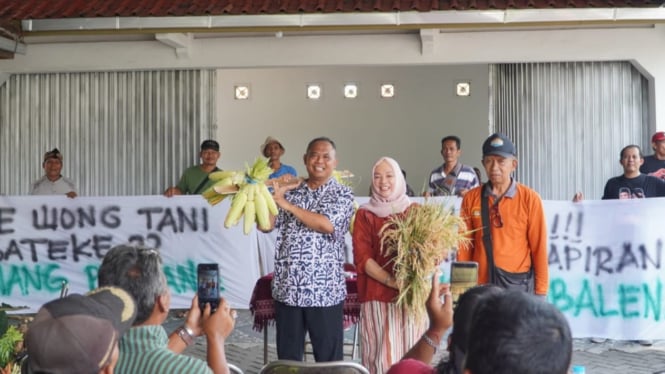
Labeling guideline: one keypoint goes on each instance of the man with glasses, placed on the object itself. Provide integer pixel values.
(516, 229)
(195, 179)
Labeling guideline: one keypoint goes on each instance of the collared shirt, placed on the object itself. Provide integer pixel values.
(43, 186)
(462, 177)
(309, 265)
(144, 349)
(519, 244)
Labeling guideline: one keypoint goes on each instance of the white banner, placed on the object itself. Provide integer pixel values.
(47, 240)
(605, 266)
(605, 256)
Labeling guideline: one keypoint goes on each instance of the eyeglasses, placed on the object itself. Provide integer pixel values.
(495, 216)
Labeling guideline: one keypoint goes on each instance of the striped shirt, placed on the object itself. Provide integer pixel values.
(144, 349)
(462, 177)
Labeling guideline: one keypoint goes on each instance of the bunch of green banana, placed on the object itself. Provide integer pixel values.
(252, 200)
(226, 183)
(253, 203)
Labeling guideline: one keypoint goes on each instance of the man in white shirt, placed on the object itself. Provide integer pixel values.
(53, 183)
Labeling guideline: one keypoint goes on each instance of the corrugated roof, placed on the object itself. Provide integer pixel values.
(40, 9)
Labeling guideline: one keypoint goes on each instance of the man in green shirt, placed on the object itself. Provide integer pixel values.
(195, 179)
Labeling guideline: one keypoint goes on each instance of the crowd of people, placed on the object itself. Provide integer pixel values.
(504, 327)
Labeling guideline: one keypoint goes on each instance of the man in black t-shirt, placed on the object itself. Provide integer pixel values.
(633, 184)
(655, 164)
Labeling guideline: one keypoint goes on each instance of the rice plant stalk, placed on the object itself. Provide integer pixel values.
(418, 241)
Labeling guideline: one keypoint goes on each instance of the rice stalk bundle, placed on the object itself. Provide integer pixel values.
(418, 241)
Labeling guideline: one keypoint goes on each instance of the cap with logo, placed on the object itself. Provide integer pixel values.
(210, 144)
(498, 144)
(658, 137)
(77, 334)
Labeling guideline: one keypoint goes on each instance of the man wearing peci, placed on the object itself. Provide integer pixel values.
(53, 183)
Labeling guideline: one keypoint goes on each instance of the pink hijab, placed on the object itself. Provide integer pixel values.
(397, 202)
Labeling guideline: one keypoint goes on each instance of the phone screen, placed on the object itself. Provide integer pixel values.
(208, 285)
(464, 275)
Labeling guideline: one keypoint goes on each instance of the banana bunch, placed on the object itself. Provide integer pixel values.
(254, 203)
(226, 183)
(252, 200)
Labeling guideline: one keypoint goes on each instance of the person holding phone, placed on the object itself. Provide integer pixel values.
(386, 330)
(145, 348)
(440, 313)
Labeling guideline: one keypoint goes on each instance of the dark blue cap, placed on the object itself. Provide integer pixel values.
(499, 145)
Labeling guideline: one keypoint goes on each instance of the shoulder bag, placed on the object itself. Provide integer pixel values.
(511, 281)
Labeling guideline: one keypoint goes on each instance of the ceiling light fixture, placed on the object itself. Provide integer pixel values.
(313, 91)
(463, 89)
(387, 90)
(241, 92)
(350, 91)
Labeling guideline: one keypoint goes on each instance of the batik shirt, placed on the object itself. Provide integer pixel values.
(309, 265)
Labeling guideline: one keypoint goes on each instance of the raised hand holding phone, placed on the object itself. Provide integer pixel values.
(463, 275)
(207, 276)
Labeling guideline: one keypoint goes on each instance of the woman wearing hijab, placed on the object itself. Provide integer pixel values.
(387, 331)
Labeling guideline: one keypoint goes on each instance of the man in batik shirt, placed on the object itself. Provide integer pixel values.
(309, 286)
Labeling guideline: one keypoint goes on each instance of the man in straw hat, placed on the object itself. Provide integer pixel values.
(274, 150)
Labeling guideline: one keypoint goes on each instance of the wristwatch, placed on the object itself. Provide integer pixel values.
(186, 335)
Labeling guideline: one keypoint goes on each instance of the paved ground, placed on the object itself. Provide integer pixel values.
(244, 348)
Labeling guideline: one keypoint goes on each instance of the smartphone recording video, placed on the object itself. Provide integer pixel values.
(463, 275)
(208, 285)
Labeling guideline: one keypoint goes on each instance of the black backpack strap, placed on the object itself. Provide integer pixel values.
(487, 235)
(198, 188)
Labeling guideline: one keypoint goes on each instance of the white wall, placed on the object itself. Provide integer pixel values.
(284, 64)
(644, 45)
(408, 127)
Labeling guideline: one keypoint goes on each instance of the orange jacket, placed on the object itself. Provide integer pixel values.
(520, 242)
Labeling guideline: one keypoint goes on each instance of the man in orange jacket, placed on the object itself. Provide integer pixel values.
(517, 226)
